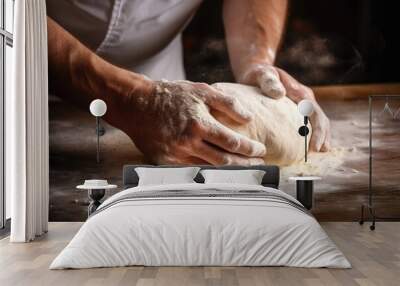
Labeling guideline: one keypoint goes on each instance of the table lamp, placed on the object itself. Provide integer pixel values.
(305, 108)
(98, 108)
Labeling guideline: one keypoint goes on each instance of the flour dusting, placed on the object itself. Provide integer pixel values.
(332, 163)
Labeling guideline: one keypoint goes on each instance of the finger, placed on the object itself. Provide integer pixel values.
(317, 139)
(326, 146)
(294, 89)
(227, 104)
(217, 156)
(231, 141)
(270, 83)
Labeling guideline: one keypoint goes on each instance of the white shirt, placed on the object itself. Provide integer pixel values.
(143, 36)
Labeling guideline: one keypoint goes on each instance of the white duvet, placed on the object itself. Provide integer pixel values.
(188, 231)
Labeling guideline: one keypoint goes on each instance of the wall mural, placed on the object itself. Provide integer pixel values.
(181, 122)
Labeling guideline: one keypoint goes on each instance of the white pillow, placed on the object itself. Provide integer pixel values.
(163, 176)
(248, 177)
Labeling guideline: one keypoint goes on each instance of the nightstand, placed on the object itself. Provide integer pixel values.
(305, 190)
(96, 191)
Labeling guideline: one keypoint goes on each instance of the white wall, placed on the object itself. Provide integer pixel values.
(9, 25)
(9, 70)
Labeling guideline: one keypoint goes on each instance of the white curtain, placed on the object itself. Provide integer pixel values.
(27, 124)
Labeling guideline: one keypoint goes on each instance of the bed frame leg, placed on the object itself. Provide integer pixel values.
(361, 221)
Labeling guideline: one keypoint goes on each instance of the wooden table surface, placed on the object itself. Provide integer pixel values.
(355, 91)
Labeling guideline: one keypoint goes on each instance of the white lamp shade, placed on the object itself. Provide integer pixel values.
(305, 107)
(98, 107)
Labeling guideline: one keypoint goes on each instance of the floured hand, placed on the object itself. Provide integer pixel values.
(266, 77)
(321, 136)
(173, 125)
(276, 83)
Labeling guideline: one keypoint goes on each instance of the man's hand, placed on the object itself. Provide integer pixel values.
(266, 77)
(275, 82)
(254, 30)
(169, 122)
(321, 134)
(173, 124)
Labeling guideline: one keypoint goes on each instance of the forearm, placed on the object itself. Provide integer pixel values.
(78, 75)
(253, 30)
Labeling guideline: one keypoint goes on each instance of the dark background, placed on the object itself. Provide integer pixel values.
(326, 42)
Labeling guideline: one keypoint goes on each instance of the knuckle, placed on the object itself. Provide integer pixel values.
(226, 160)
(269, 78)
(201, 85)
(234, 144)
(190, 130)
(195, 126)
(187, 145)
(192, 125)
(228, 100)
(194, 143)
(308, 92)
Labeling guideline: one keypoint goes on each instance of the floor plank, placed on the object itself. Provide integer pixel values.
(375, 256)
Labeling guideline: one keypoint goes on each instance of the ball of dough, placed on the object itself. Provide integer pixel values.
(276, 123)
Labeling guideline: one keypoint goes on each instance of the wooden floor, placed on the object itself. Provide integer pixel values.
(375, 256)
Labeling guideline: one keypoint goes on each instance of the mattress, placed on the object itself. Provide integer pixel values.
(201, 225)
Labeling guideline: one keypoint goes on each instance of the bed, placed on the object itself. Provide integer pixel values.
(198, 224)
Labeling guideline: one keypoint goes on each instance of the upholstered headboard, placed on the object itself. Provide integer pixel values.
(271, 178)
